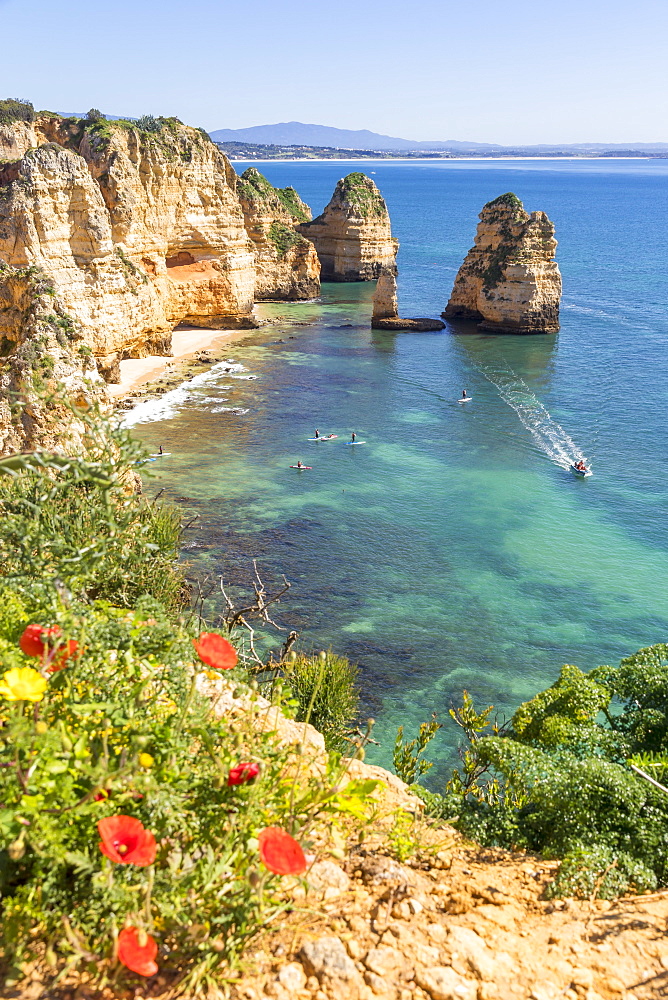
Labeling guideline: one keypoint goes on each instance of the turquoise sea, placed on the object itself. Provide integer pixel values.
(454, 549)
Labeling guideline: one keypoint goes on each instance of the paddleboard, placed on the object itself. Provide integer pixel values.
(301, 467)
(355, 442)
(161, 454)
(324, 437)
(465, 399)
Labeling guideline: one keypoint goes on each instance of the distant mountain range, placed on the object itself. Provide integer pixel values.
(300, 134)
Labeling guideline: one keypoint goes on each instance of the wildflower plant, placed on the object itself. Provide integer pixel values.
(142, 830)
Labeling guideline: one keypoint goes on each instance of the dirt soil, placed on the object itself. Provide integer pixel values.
(477, 927)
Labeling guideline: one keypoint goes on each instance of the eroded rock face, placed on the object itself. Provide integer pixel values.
(353, 235)
(137, 232)
(386, 310)
(286, 263)
(509, 281)
(45, 348)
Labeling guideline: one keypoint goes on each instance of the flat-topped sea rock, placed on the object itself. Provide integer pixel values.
(286, 263)
(386, 310)
(509, 281)
(353, 236)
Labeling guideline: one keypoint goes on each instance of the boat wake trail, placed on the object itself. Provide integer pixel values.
(549, 435)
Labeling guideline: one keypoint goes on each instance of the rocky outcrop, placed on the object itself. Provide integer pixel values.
(135, 229)
(286, 263)
(509, 281)
(45, 349)
(353, 235)
(138, 231)
(386, 310)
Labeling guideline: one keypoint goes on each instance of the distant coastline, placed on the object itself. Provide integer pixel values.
(431, 159)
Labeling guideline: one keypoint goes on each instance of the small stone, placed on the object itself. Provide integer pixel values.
(426, 955)
(327, 875)
(383, 961)
(292, 977)
(327, 958)
(443, 983)
(377, 983)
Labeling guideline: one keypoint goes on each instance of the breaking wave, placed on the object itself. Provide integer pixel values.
(166, 406)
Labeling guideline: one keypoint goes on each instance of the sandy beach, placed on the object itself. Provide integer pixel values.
(187, 342)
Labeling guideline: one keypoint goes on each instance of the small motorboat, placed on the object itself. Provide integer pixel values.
(583, 473)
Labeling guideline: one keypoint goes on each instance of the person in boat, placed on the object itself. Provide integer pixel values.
(464, 396)
(353, 437)
(299, 464)
(581, 466)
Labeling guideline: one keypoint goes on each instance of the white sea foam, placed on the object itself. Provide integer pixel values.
(549, 435)
(167, 405)
(238, 410)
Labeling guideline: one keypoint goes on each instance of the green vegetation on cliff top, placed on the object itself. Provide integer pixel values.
(13, 110)
(254, 186)
(362, 194)
(508, 199)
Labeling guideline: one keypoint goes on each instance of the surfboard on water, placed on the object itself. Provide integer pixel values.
(301, 467)
(324, 437)
(161, 454)
(464, 399)
(355, 442)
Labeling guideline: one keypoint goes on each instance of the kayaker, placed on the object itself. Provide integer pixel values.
(299, 464)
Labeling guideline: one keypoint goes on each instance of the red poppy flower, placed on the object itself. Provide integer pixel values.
(240, 774)
(280, 853)
(62, 656)
(215, 651)
(40, 640)
(126, 841)
(137, 951)
(37, 639)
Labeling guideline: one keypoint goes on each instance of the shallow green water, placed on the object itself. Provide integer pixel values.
(454, 549)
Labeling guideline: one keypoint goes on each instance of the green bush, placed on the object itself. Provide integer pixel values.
(14, 110)
(81, 526)
(324, 687)
(560, 779)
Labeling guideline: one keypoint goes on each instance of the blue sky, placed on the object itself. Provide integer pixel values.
(480, 70)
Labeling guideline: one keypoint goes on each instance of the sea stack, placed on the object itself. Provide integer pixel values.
(386, 309)
(353, 236)
(286, 263)
(509, 281)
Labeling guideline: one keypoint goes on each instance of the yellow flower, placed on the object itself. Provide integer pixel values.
(23, 684)
(146, 760)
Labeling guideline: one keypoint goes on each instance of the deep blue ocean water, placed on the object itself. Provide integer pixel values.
(455, 549)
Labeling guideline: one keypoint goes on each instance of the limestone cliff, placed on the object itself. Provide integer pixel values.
(353, 235)
(133, 229)
(286, 263)
(386, 309)
(43, 348)
(137, 230)
(509, 281)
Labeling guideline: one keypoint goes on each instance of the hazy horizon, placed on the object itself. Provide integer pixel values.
(521, 74)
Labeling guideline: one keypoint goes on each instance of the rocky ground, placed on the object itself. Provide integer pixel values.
(460, 924)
